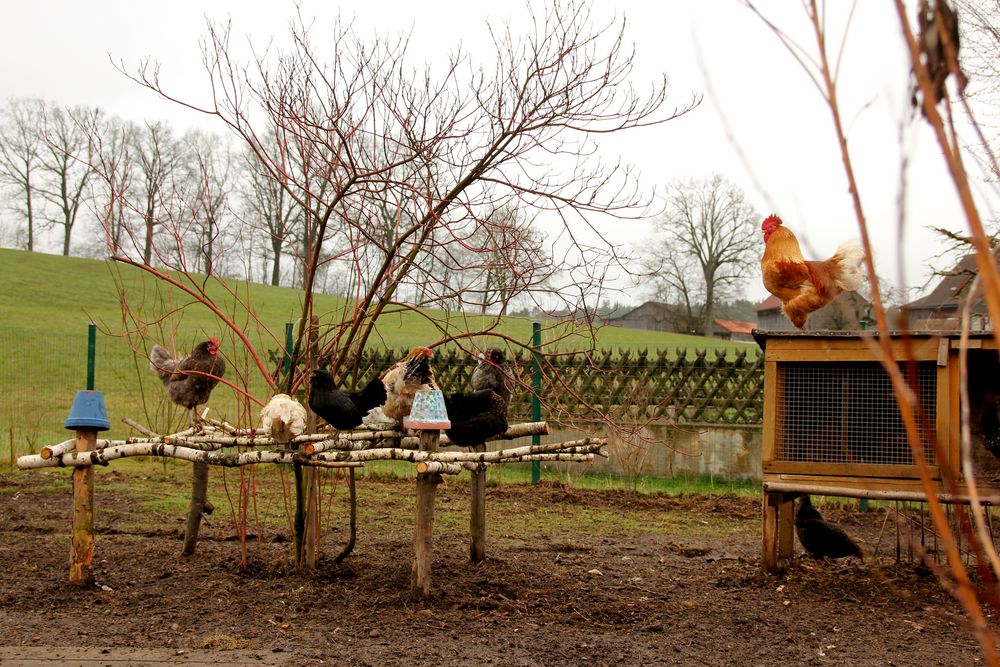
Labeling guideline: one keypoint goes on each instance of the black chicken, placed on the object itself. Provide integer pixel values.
(821, 538)
(190, 381)
(493, 372)
(481, 414)
(343, 410)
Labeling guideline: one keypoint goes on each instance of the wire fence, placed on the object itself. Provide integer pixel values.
(40, 375)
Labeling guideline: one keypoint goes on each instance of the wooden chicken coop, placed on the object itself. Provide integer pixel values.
(832, 425)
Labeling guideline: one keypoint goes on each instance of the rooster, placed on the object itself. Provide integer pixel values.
(481, 414)
(404, 379)
(343, 410)
(806, 286)
(821, 538)
(190, 381)
(283, 417)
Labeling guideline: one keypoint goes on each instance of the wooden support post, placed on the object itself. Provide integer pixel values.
(786, 526)
(779, 517)
(199, 506)
(420, 585)
(81, 566)
(477, 521)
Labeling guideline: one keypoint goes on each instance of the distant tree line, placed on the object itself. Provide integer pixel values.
(77, 180)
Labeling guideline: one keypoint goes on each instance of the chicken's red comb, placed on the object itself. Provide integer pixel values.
(214, 342)
(770, 221)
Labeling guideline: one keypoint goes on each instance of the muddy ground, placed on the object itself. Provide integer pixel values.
(572, 577)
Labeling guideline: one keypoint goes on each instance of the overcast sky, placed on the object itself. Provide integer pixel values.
(763, 124)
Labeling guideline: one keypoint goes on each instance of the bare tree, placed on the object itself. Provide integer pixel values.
(706, 243)
(212, 175)
(268, 208)
(354, 134)
(66, 159)
(20, 147)
(157, 155)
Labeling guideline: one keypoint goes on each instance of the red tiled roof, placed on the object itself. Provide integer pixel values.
(736, 327)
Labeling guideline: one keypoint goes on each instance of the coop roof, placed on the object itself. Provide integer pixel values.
(762, 336)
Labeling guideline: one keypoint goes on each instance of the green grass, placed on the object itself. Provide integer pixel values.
(48, 300)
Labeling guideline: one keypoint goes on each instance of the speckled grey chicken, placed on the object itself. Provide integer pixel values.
(190, 381)
(819, 537)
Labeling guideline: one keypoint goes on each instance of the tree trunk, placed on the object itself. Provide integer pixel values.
(199, 506)
(477, 521)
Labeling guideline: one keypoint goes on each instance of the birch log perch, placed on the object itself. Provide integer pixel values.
(57, 450)
(236, 459)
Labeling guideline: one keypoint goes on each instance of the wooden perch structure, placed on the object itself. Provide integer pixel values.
(204, 445)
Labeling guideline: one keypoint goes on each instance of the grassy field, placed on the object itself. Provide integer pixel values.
(48, 301)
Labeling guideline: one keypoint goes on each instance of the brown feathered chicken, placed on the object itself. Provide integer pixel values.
(190, 381)
(404, 379)
(343, 409)
(805, 286)
(819, 537)
(283, 418)
(481, 414)
(937, 19)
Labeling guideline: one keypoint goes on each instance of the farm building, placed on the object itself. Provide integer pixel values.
(940, 310)
(838, 315)
(735, 331)
(656, 316)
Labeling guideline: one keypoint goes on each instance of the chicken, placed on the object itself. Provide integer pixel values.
(493, 372)
(404, 379)
(343, 410)
(821, 538)
(475, 416)
(283, 418)
(481, 414)
(806, 286)
(190, 381)
(934, 19)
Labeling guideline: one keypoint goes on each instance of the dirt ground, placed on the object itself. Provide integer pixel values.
(565, 592)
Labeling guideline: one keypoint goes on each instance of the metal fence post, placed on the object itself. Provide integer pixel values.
(536, 384)
(91, 353)
(286, 366)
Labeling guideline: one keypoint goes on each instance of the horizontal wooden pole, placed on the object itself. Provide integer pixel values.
(872, 494)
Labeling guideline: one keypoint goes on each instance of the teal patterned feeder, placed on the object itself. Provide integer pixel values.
(88, 412)
(428, 411)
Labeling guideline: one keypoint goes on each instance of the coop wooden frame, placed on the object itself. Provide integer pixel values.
(783, 480)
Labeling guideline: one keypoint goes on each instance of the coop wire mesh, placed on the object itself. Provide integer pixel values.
(847, 413)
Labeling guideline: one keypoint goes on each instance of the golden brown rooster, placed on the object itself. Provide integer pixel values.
(804, 285)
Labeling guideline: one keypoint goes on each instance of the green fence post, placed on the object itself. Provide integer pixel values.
(287, 365)
(536, 384)
(91, 353)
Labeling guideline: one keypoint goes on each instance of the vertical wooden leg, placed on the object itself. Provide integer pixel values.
(786, 526)
(420, 584)
(769, 552)
(81, 566)
(477, 521)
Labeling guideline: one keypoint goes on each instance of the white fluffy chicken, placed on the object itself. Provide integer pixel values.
(404, 379)
(283, 417)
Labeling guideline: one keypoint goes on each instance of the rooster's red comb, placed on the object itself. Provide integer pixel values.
(770, 221)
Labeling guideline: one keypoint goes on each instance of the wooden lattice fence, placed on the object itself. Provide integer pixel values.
(693, 388)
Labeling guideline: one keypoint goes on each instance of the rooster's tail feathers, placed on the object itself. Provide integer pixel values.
(161, 361)
(849, 257)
